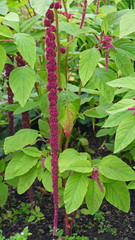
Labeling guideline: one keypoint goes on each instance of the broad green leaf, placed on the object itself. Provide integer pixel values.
(26, 45)
(125, 82)
(48, 163)
(40, 6)
(70, 28)
(125, 133)
(125, 46)
(44, 128)
(47, 181)
(94, 196)
(6, 32)
(118, 195)
(3, 194)
(121, 106)
(106, 9)
(12, 24)
(21, 139)
(114, 168)
(2, 58)
(27, 24)
(3, 7)
(82, 166)
(19, 165)
(88, 62)
(122, 62)
(75, 191)
(13, 182)
(131, 185)
(26, 180)
(44, 105)
(16, 3)
(115, 119)
(99, 78)
(69, 157)
(127, 23)
(104, 132)
(22, 80)
(12, 16)
(28, 106)
(32, 151)
(2, 165)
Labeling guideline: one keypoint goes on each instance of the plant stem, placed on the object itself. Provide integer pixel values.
(58, 48)
(28, 11)
(80, 87)
(66, 225)
(60, 138)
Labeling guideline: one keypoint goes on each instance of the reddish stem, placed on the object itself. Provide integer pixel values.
(67, 225)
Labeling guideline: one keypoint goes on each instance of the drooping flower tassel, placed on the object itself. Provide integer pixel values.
(83, 14)
(98, 4)
(52, 96)
(9, 68)
(106, 42)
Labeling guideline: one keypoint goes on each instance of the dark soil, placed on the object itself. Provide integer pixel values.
(108, 224)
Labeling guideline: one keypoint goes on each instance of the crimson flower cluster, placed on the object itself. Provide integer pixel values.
(95, 175)
(52, 85)
(8, 69)
(106, 42)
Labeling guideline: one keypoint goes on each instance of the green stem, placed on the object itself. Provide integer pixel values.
(80, 87)
(60, 138)
(58, 48)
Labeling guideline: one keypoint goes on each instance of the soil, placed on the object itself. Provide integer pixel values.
(109, 224)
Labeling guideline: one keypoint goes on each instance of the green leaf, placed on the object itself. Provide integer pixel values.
(32, 151)
(3, 7)
(118, 195)
(28, 106)
(12, 16)
(26, 45)
(2, 165)
(127, 25)
(6, 32)
(2, 58)
(114, 168)
(121, 106)
(75, 191)
(47, 181)
(13, 182)
(3, 194)
(70, 28)
(88, 62)
(115, 119)
(44, 128)
(125, 133)
(22, 80)
(26, 180)
(99, 78)
(94, 196)
(131, 185)
(19, 165)
(31, 218)
(40, 6)
(125, 82)
(125, 46)
(104, 132)
(27, 24)
(48, 163)
(21, 139)
(69, 157)
(122, 62)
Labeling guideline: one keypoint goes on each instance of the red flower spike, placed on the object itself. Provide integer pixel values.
(57, 5)
(107, 44)
(95, 175)
(50, 15)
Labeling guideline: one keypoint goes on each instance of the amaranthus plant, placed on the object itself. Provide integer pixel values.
(63, 75)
